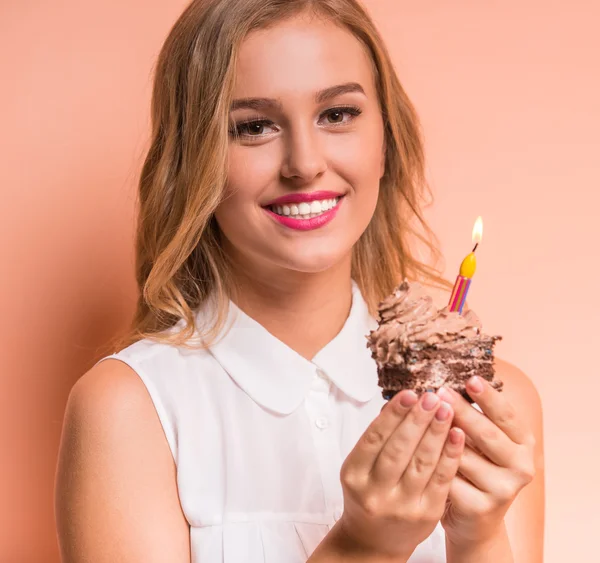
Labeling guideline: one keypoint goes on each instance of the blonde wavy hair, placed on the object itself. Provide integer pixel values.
(179, 256)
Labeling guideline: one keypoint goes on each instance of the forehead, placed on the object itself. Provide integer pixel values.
(300, 56)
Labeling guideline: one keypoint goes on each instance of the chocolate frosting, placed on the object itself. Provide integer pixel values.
(408, 318)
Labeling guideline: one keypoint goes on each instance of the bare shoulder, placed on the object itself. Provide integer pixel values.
(110, 384)
(116, 493)
(521, 392)
(519, 388)
(525, 518)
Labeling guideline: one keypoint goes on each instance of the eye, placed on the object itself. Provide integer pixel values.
(336, 115)
(254, 128)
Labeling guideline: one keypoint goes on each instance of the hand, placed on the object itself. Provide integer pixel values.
(397, 477)
(497, 463)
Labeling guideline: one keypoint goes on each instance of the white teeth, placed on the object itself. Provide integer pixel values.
(305, 210)
(315, 207)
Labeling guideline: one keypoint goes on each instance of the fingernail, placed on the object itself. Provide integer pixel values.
(456, 435)
(475, 384)
(443, 412)
(430, 401)
(408, 399)
(445, 395)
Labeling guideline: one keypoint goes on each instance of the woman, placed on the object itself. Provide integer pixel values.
(241, 420)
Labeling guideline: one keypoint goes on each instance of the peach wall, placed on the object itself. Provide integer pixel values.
(508, 93)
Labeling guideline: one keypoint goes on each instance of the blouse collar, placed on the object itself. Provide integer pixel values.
(278, 378)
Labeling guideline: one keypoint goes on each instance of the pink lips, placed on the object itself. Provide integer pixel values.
(305, 224)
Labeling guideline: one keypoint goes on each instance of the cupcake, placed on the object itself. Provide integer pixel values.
(420, 347)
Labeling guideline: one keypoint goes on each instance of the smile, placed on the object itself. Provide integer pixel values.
(305, 216)
(305, 210)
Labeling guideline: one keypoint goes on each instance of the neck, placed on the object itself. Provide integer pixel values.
(303, 310)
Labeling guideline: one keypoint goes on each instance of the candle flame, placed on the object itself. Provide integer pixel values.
(478, 230)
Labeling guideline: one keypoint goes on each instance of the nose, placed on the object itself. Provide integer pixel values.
(304, 158)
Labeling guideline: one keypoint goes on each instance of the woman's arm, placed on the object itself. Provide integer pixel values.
(337, 547)
(522, 538)
(116, 496)
(495, 550)
(525, 517)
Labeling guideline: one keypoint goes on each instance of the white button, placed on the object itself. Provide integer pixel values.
(337, 514)
(322, 422)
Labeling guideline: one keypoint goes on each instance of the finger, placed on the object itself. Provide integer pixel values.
(466, 498)
(365, 452)
(401, 445)
(497, 408)
(483, 433)
(427, 455)
(470, 444)
(481, 472)
(436, 490)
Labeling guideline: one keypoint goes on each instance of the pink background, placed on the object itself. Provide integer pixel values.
(508, 94)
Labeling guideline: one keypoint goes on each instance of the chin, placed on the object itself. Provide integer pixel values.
(315, 260)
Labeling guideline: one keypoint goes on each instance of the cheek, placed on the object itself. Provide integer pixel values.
(358, 160)
(248, 173)
(251, 168)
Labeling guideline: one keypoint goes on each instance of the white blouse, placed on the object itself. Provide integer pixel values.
(258, 434)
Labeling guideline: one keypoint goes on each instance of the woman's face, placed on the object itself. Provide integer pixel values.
(303, 176)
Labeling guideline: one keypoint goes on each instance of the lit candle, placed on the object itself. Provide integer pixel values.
(467, 270)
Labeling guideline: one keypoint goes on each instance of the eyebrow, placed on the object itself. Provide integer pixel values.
(321, 96)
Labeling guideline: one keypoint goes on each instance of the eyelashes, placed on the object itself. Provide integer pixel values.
(247, 129)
